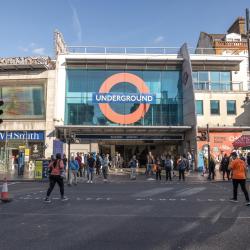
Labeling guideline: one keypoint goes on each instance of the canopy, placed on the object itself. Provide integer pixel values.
(243, 141)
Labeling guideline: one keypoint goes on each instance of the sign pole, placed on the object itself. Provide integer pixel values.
(208, 146)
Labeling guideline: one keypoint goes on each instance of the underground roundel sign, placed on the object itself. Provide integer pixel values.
(105, 97)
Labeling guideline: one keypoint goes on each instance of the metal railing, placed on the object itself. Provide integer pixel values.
(218, 87)
(123, 50)
(139, 50)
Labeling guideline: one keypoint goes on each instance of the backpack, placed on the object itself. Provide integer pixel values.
(182, 165)
(168, 164)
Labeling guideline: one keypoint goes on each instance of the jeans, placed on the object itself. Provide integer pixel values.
(105, 172)
(182, 174)
(72, 176)
(243, 188)
(90, 174)
(149, 169)
(168, 174)
(133, 173)
(53, 179)
(158, 174)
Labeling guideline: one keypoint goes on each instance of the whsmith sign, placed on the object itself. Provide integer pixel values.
(22, 135)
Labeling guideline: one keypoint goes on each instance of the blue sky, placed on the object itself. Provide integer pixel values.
(27, 25)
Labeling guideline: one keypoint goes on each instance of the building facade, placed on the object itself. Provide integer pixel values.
(27, 89)
(222, 92)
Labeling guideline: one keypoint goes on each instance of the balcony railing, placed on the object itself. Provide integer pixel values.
(218, 87)
(122, 50)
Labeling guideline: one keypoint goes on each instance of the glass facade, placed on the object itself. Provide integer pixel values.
(23, 102)
(199, 107)
(212, 80)
(231, 107)
(81, 84)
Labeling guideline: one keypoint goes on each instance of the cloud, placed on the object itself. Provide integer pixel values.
(76, 24)
(24, 49)
(32, 49)
(159, 39)
(39, 51)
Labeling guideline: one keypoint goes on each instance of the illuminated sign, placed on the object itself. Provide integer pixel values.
(104, 93)
(123, 98)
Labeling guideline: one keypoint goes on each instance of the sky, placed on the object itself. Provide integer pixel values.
(27, 26)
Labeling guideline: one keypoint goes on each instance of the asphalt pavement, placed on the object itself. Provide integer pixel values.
(123, 214)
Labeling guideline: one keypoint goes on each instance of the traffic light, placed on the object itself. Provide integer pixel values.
(203, 136)
(1, 110)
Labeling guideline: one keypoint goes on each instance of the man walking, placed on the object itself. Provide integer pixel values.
(239, 173)
(91, 166)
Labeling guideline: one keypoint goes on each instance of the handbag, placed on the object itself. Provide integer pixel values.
(63, 174)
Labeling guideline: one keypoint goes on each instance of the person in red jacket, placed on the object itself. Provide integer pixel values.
(56, 167)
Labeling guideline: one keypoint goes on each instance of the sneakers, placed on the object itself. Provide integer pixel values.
(47, 200)
(233, 200)
(91, 181)
(64, 198)
(88, 181)
(248, 203)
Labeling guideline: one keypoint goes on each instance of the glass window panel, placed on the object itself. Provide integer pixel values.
(203, 76)
(225, 77)
(215, 76)
(215, 107)
(231, 107)
(199, 107)
(195, 76)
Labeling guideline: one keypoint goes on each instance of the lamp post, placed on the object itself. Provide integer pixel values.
(248, 40)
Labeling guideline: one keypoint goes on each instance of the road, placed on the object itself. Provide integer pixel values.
(126, 214)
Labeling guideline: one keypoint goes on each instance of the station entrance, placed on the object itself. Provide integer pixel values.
(122, 152)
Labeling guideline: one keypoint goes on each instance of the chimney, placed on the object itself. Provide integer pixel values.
(238, 26)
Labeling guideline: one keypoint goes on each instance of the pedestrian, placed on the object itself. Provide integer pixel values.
(79, 160)
(181, 166)
(98, 164)
(105, 167)
(56, 168)
(189, 158)
(158, 168)
(133, 165)
(184, 157)
(248, 161)
(239, 175)
(211, 169)
(150, 163)
(65, 160)
(168, 165)
(73, 170)
(224, 167)
(91, 167)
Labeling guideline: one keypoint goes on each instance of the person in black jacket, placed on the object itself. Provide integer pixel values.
(224, 167)
(211, 169)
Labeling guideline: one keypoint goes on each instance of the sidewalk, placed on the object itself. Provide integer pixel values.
(124, 174)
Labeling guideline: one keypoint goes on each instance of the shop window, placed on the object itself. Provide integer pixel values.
(23, 102)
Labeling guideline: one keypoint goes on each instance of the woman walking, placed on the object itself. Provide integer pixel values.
(56, 168)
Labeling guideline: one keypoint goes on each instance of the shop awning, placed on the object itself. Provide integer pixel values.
(243, 141)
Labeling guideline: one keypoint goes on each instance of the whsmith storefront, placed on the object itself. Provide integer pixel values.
(126, 104)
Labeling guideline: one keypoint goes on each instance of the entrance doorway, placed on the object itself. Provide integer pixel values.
(127, 149)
